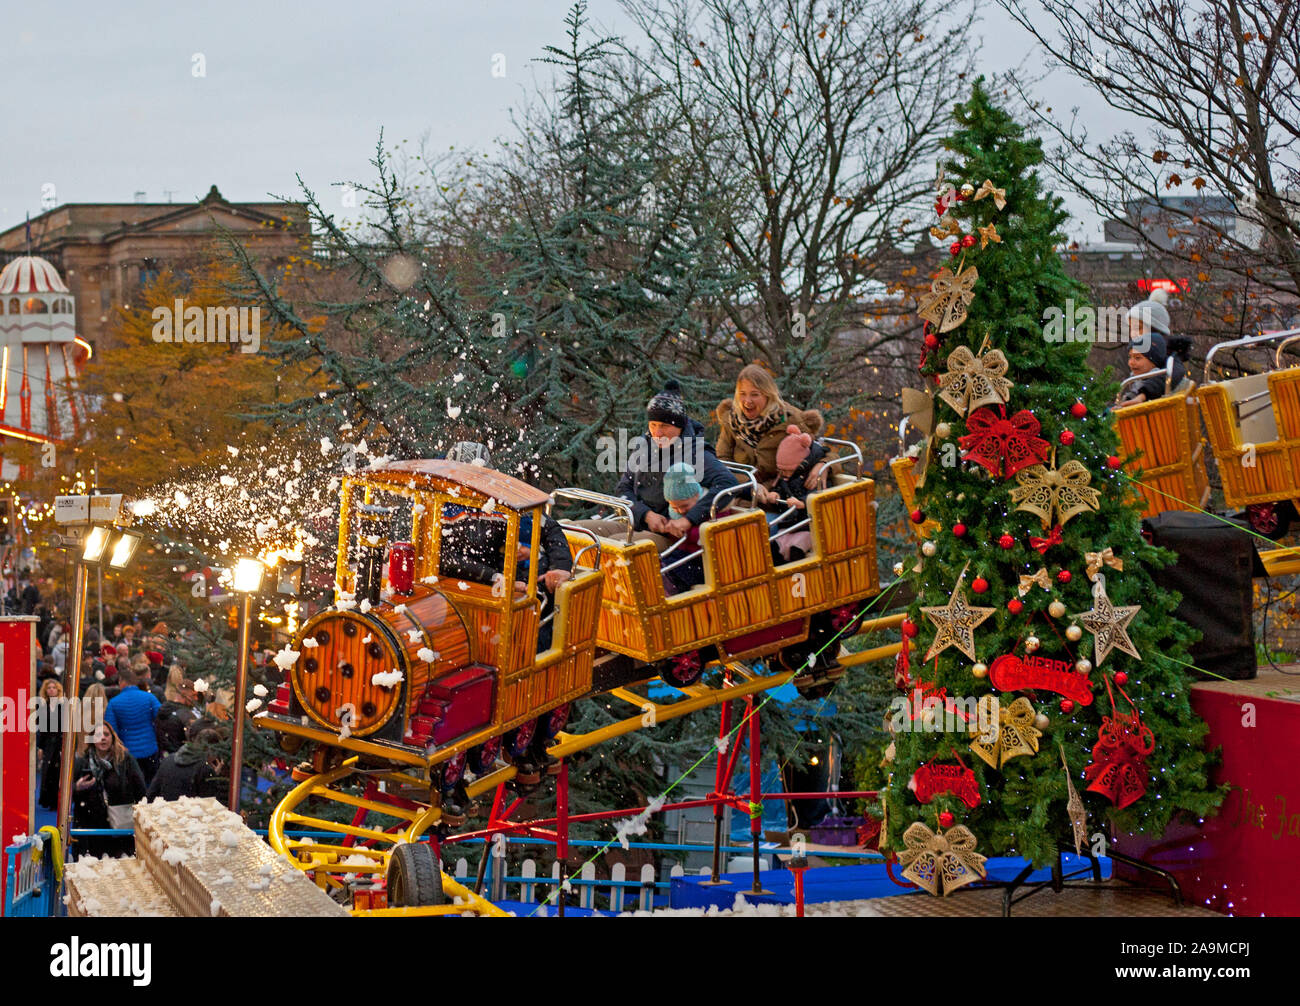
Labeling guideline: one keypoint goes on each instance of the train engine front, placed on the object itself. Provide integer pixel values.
(388, 673)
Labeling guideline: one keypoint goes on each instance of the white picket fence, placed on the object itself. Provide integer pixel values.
(622, 894)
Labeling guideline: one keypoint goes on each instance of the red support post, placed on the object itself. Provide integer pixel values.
(721, 783)
(359, 818)
(797, 865)
(755, 788)
(562, 829)
(497, 799)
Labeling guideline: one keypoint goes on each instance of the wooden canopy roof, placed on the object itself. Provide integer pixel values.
(465, 480)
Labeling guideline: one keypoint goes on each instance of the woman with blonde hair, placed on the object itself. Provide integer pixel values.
(177, 712)
(53, 715)
(756, 419)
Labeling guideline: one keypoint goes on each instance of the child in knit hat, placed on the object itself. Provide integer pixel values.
(799, 462)
(1148, 352)
(683, 490)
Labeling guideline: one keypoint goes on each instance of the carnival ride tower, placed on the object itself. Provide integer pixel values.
(40, 359)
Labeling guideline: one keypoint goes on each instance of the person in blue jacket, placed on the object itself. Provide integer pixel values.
(131, 714)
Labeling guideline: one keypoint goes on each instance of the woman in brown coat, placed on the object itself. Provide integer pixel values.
(754, 423)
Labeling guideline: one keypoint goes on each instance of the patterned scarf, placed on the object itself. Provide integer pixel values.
(751, 431)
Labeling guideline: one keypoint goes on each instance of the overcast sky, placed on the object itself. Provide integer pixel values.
(104, 101)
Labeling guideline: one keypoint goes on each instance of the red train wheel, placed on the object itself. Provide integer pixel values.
(483, 757)
(683, 669)
(555, 721)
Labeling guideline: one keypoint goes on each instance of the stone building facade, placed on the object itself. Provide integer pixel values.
(105, 252)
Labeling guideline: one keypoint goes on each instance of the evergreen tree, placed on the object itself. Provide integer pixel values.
(1023, 570)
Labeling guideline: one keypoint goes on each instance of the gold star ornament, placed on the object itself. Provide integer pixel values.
(1108, 624)
(955, 623)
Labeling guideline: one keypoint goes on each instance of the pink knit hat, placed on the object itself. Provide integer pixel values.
(794, 448)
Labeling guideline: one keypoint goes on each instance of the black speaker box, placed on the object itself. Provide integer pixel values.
(1216, 566)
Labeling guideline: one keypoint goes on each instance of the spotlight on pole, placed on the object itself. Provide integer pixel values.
(123, 549)
(95, 524)
(96, 545)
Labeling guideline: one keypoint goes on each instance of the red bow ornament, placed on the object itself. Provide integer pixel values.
(1003, 446)
(1041, 545)
(1118, 770)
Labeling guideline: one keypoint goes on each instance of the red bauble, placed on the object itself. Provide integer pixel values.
(1113, 462)
(910, 628)
(1064, 576)
(1067, 705)
(1007, 542)
(946, 819)
(959, 530)
(918, 517)
(931, 341)
(1067, 437)
(1078, 410)
(1015, 606)
(955, 247)
(979, 585)
(968, 241)
(1121, 678)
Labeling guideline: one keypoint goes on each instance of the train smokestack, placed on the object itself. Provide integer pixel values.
(372, 540)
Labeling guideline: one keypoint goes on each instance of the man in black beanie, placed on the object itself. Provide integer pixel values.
(672, 437)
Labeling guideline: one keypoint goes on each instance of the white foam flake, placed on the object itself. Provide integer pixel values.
(286, 658)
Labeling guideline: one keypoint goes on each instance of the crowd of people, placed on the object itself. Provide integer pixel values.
(141, 729)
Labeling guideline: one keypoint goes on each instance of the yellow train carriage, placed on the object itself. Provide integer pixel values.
(1253, 423)
(1161, 440)
(748, 606)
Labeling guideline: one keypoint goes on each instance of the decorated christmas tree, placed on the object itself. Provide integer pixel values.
(1045, 679)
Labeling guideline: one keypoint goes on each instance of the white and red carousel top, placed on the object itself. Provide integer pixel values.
(40, 358)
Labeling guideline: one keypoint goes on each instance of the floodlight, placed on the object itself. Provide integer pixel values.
(123, 549)
(96, 545)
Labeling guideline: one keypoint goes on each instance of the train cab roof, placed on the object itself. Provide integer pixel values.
(436, 474)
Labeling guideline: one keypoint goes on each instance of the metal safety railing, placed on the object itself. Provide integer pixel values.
(33, 872)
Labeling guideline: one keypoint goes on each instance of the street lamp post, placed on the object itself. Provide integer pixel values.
(102, 545)
(73, 685)
(247, 581)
